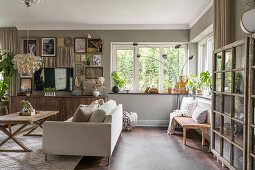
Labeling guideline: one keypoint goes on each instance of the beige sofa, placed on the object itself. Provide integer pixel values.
(83, 138)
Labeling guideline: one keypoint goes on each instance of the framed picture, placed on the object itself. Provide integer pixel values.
(96, 60)
(29, 45)
(80, 45)
(95, 45)
(48, 47)
(25, 76)
(93, 72)
(78, 70)
(26, 85)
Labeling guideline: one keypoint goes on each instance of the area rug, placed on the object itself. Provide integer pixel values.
(33, 160)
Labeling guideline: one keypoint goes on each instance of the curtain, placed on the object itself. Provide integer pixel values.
(221, 23)
(9, 41)
(65, 57)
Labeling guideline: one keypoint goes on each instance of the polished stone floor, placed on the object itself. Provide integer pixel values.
(153, 149)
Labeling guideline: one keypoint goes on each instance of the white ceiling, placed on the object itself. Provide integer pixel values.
(103, 14)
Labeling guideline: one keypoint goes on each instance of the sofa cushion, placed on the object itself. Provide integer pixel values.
(99, 114)
(188, 105)
(83, 112)
(200, 115)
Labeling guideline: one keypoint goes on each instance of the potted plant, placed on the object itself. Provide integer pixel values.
(191, 86)
(198, 85)
(7, 70)
(118, 82)
(88, 59)
(206, 79)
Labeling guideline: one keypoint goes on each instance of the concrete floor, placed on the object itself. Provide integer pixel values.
(153, 149)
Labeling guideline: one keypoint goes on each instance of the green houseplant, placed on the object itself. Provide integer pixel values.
(7, 70)
(88, 59)
(194, 84)
(206, 79)
(118, 81)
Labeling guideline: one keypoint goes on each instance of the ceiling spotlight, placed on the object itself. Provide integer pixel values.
(28, 3)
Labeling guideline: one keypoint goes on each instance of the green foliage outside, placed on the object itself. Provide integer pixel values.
(117, 79)
(7, 70)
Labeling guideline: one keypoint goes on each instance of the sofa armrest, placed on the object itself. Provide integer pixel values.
(77, 138)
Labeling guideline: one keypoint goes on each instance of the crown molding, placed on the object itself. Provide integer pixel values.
(200, 13)
(102, 27)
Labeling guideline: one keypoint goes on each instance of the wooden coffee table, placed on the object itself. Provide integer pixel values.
(14, 118)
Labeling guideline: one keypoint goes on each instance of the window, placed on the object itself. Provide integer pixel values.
(205, 51)
(140, 73)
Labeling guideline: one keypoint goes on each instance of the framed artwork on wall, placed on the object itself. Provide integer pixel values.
(95, 45)
(80, 45)
(93, 72)
(78, 70)
(48, 47)
(29, 45)
(26, 85)
(96, 60)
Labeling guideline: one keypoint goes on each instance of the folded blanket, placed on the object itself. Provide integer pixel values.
(172, 122)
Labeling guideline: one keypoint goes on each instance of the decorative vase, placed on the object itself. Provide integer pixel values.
(96, 93)
(169, 90)
(115, 89)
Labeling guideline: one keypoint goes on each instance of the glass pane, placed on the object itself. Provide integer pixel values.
(226, 127)
(148, 68)
(218, 61)
(226, 150)
(204, 58)
(228, 60)
(238, 158)
(253, 163)
(217, 122)
(217, 102)
(227, 85)
(227, 104)
(171, 66)
(240, 56)
(238, 133)
(253, 115)
(125, 65)
(210, 54)
(239, 82)
(253, 139)
(217, 144)
(239, 107)
(218, 82)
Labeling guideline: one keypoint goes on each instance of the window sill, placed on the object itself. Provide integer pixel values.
(201, 96)
(132, 93)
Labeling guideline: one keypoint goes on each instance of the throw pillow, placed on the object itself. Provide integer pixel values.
(83, 113)
(200, 115)
(187, 107)
(112, 103)
(99, 114)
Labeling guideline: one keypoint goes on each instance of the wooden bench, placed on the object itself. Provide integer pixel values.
(189, 123)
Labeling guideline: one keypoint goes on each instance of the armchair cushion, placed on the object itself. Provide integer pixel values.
(83, 112)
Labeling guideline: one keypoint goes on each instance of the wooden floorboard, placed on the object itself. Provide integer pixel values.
(153, 149)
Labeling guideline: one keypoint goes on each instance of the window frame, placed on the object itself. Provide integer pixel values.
(129, 46)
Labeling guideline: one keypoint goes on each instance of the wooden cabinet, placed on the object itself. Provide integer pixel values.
(66, 105)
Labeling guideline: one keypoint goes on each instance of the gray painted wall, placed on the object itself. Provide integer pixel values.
(204, 22)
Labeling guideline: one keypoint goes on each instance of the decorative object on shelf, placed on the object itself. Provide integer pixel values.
(77, 92)
(118, 81)
(99, 84)
(60, 42)
(96, 93)
(7, 71)
(25, 76)
(77, 81)
(95, 45)
(93, 72)
(29, 45)
(96, 60)
(127, 90)
(49, 91)
(147, 89)
(26, 85)
(168, 68)
(28, 3)
(78, 70)
(88, 59)
(48, 47)
(88, 87)
(89, 36)
(27, 109)
(169, 90)
(68, 42)
(80, 45)
(77, 58)
(182, 85)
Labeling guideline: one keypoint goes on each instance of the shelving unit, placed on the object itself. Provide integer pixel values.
(251, 117)
(230, 104)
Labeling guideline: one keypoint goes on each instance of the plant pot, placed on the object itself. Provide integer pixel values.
(169, 90)
(115, 89)
(199, 91)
